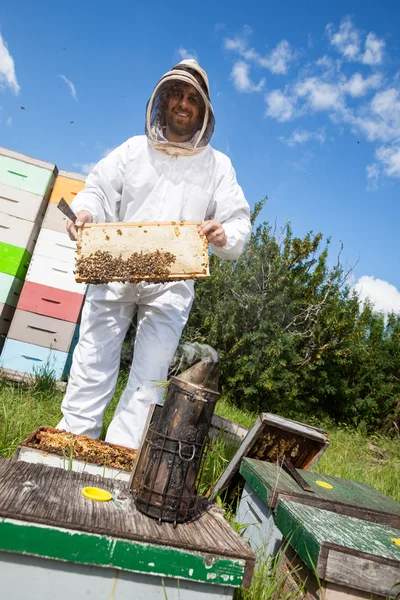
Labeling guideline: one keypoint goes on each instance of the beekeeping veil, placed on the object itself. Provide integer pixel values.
(184, 72)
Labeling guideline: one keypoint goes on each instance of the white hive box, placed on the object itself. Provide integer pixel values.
(122, 240)
(18, 232)
(22, 204)
(54, 273)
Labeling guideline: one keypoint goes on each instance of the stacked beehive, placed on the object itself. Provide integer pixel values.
(45, 329)
(25, 187)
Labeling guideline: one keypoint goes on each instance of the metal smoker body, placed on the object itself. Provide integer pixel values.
(170, 456)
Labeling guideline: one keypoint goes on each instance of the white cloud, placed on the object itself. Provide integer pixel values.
(277, 61)
(71, 86)
(348, 41)
(373, 174)
(241, 79)
(384, 296)
(319, 94)
(87, 167)
(374, 49)
(390, 158)
(358, 86)
(301, 136)
(324, 61)
(386, 104)
(8, 77)
(279, 106)
(9, 121)
(187, 53)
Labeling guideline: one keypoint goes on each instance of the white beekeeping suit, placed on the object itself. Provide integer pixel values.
(147, 178)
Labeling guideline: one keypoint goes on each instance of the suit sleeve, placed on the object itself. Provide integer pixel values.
(101, 195)
(232, 211)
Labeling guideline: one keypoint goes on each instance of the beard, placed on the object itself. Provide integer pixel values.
(181, 129)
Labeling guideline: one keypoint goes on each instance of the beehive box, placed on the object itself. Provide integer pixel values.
(132, 252)
(271, 439)
(58, 448)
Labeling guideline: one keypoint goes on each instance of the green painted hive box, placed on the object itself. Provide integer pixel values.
(109, 549)
(14, 261)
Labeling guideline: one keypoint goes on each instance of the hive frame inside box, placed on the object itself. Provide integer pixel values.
(180, 238)
(36, 456)
(255, 445)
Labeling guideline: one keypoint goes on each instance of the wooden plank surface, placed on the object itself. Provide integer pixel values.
(50, 496)
(310, 530)
(345, 497)
(50, 301)
(41, 330)
(273, 437)
(122, 240)
(362, 572)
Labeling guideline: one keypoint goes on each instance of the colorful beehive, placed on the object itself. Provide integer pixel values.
(54, 536)
(45, 329)
(25, 187)
(342, 531)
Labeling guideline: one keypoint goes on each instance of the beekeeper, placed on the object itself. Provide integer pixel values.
(170, 174)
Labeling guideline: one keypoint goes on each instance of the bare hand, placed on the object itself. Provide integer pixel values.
(214, 233)
(83, 216)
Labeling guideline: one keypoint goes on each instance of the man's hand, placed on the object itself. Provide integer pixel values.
(83, 216)
(214, 233)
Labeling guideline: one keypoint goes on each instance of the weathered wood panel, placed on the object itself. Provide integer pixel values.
(50, 496)
(122, 240)
(346, 497)
(312, 531)
(272, 437)
(362, 573)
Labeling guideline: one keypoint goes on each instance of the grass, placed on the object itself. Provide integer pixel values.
(352, 455)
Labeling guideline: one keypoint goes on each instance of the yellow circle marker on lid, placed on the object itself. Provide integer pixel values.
(395, 541)
(324, 484)
(97, 494)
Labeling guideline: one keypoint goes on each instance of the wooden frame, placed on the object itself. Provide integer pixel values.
(179, 238)
(259, 444)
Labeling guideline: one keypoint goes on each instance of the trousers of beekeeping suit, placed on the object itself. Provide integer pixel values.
(149, 178)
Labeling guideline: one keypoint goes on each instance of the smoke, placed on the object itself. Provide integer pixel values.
(189, 353)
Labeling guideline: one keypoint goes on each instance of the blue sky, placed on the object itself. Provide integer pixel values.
(306, 97)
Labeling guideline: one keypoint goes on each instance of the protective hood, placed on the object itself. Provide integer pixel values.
(156, 108)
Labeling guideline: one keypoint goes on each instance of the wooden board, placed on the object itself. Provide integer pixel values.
(6, 316)
(54, 219)
(61, 521)
(50, 301)
(41, 330)
(55, 245)
(24, 173)
(342, 549)
(32, 359)
(22, 204)
(10, 289)
(14, 260)
(181, 239)
(18, 232)
(351, 498)
(67, 186)
(53, 273)
(273, 437)
(25, 379)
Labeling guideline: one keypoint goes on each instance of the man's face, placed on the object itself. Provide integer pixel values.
(183, 112)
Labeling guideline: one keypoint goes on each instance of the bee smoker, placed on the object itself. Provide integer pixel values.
(170, 455)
